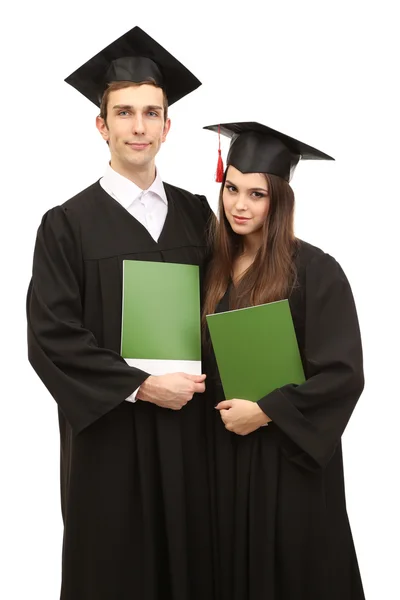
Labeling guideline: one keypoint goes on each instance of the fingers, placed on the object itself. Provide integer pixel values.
(199, 388)
(225, 404)
(195, 378)
(225, 417)
(223, 413)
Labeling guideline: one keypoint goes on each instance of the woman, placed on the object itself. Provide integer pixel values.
(281, 529)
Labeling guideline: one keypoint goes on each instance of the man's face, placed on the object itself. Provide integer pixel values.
(135, 127)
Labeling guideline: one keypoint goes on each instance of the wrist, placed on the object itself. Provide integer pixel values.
(144, 391)
(262, 417)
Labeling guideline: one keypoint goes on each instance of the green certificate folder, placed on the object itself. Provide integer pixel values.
(256, 350)
(161, 317)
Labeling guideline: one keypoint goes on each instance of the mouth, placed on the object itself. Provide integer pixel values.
(240, 219)
(138, 145)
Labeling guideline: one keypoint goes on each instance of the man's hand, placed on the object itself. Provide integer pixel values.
(241, 416)
(171, 391)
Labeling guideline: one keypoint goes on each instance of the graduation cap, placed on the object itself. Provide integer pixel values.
(135, 57)
(256, 148)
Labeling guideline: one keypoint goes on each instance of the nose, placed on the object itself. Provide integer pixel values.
(138, 124)
(241, 204)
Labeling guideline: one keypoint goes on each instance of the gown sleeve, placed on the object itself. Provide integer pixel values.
(206, 208)
(314, 415)
(208, 214)
(210, 220)
(86, 381)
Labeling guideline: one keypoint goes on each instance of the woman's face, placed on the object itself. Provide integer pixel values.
(246, 201)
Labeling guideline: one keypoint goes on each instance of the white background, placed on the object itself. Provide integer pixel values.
(323, 72)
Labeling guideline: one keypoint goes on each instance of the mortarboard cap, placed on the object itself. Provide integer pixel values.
(135, 56)
(256, 148)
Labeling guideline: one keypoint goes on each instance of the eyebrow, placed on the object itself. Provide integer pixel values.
(255, 189)
(131, 107)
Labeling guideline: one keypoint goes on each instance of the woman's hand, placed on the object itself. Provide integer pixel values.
(242, 416)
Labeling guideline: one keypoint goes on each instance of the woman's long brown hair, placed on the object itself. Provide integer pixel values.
(272, 275)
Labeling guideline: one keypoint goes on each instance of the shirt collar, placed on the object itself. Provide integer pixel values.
(126, 192)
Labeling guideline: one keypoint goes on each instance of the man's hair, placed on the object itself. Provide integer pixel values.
(119, 85)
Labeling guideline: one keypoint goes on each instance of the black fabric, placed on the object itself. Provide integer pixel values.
(280, 525)
(135, 497)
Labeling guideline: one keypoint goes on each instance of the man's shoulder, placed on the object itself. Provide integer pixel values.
(175, 190)
(83, 199)
(188, 200)
(73, 210)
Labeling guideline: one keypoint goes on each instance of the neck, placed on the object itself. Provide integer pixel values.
(251, 244)
(142, 176)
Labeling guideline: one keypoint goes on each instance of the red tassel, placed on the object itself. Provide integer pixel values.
(219, 176)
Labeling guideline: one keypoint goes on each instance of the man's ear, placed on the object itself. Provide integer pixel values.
(167, 127)
(102, 127)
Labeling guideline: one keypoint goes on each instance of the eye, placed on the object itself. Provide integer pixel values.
(259, 195)
(123, 113)
(230, 188)
(152, 113)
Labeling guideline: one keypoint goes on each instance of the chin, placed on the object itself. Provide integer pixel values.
(237, 229)
(138, 161)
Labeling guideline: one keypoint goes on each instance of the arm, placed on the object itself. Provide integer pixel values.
(314, 415)
(87, 381)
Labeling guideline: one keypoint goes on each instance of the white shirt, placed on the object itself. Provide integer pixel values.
(149, 206)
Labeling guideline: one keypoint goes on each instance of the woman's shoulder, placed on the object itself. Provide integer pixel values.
(307, 254)
(316, 267)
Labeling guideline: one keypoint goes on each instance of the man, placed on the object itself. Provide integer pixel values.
(133, 472)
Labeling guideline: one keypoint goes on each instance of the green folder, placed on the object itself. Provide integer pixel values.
(256, 350)
(160, 313)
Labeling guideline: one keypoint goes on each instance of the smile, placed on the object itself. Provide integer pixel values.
(138, 146)
(241, 219)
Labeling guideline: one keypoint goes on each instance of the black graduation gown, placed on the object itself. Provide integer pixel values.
(133, 476)
(281, 530)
